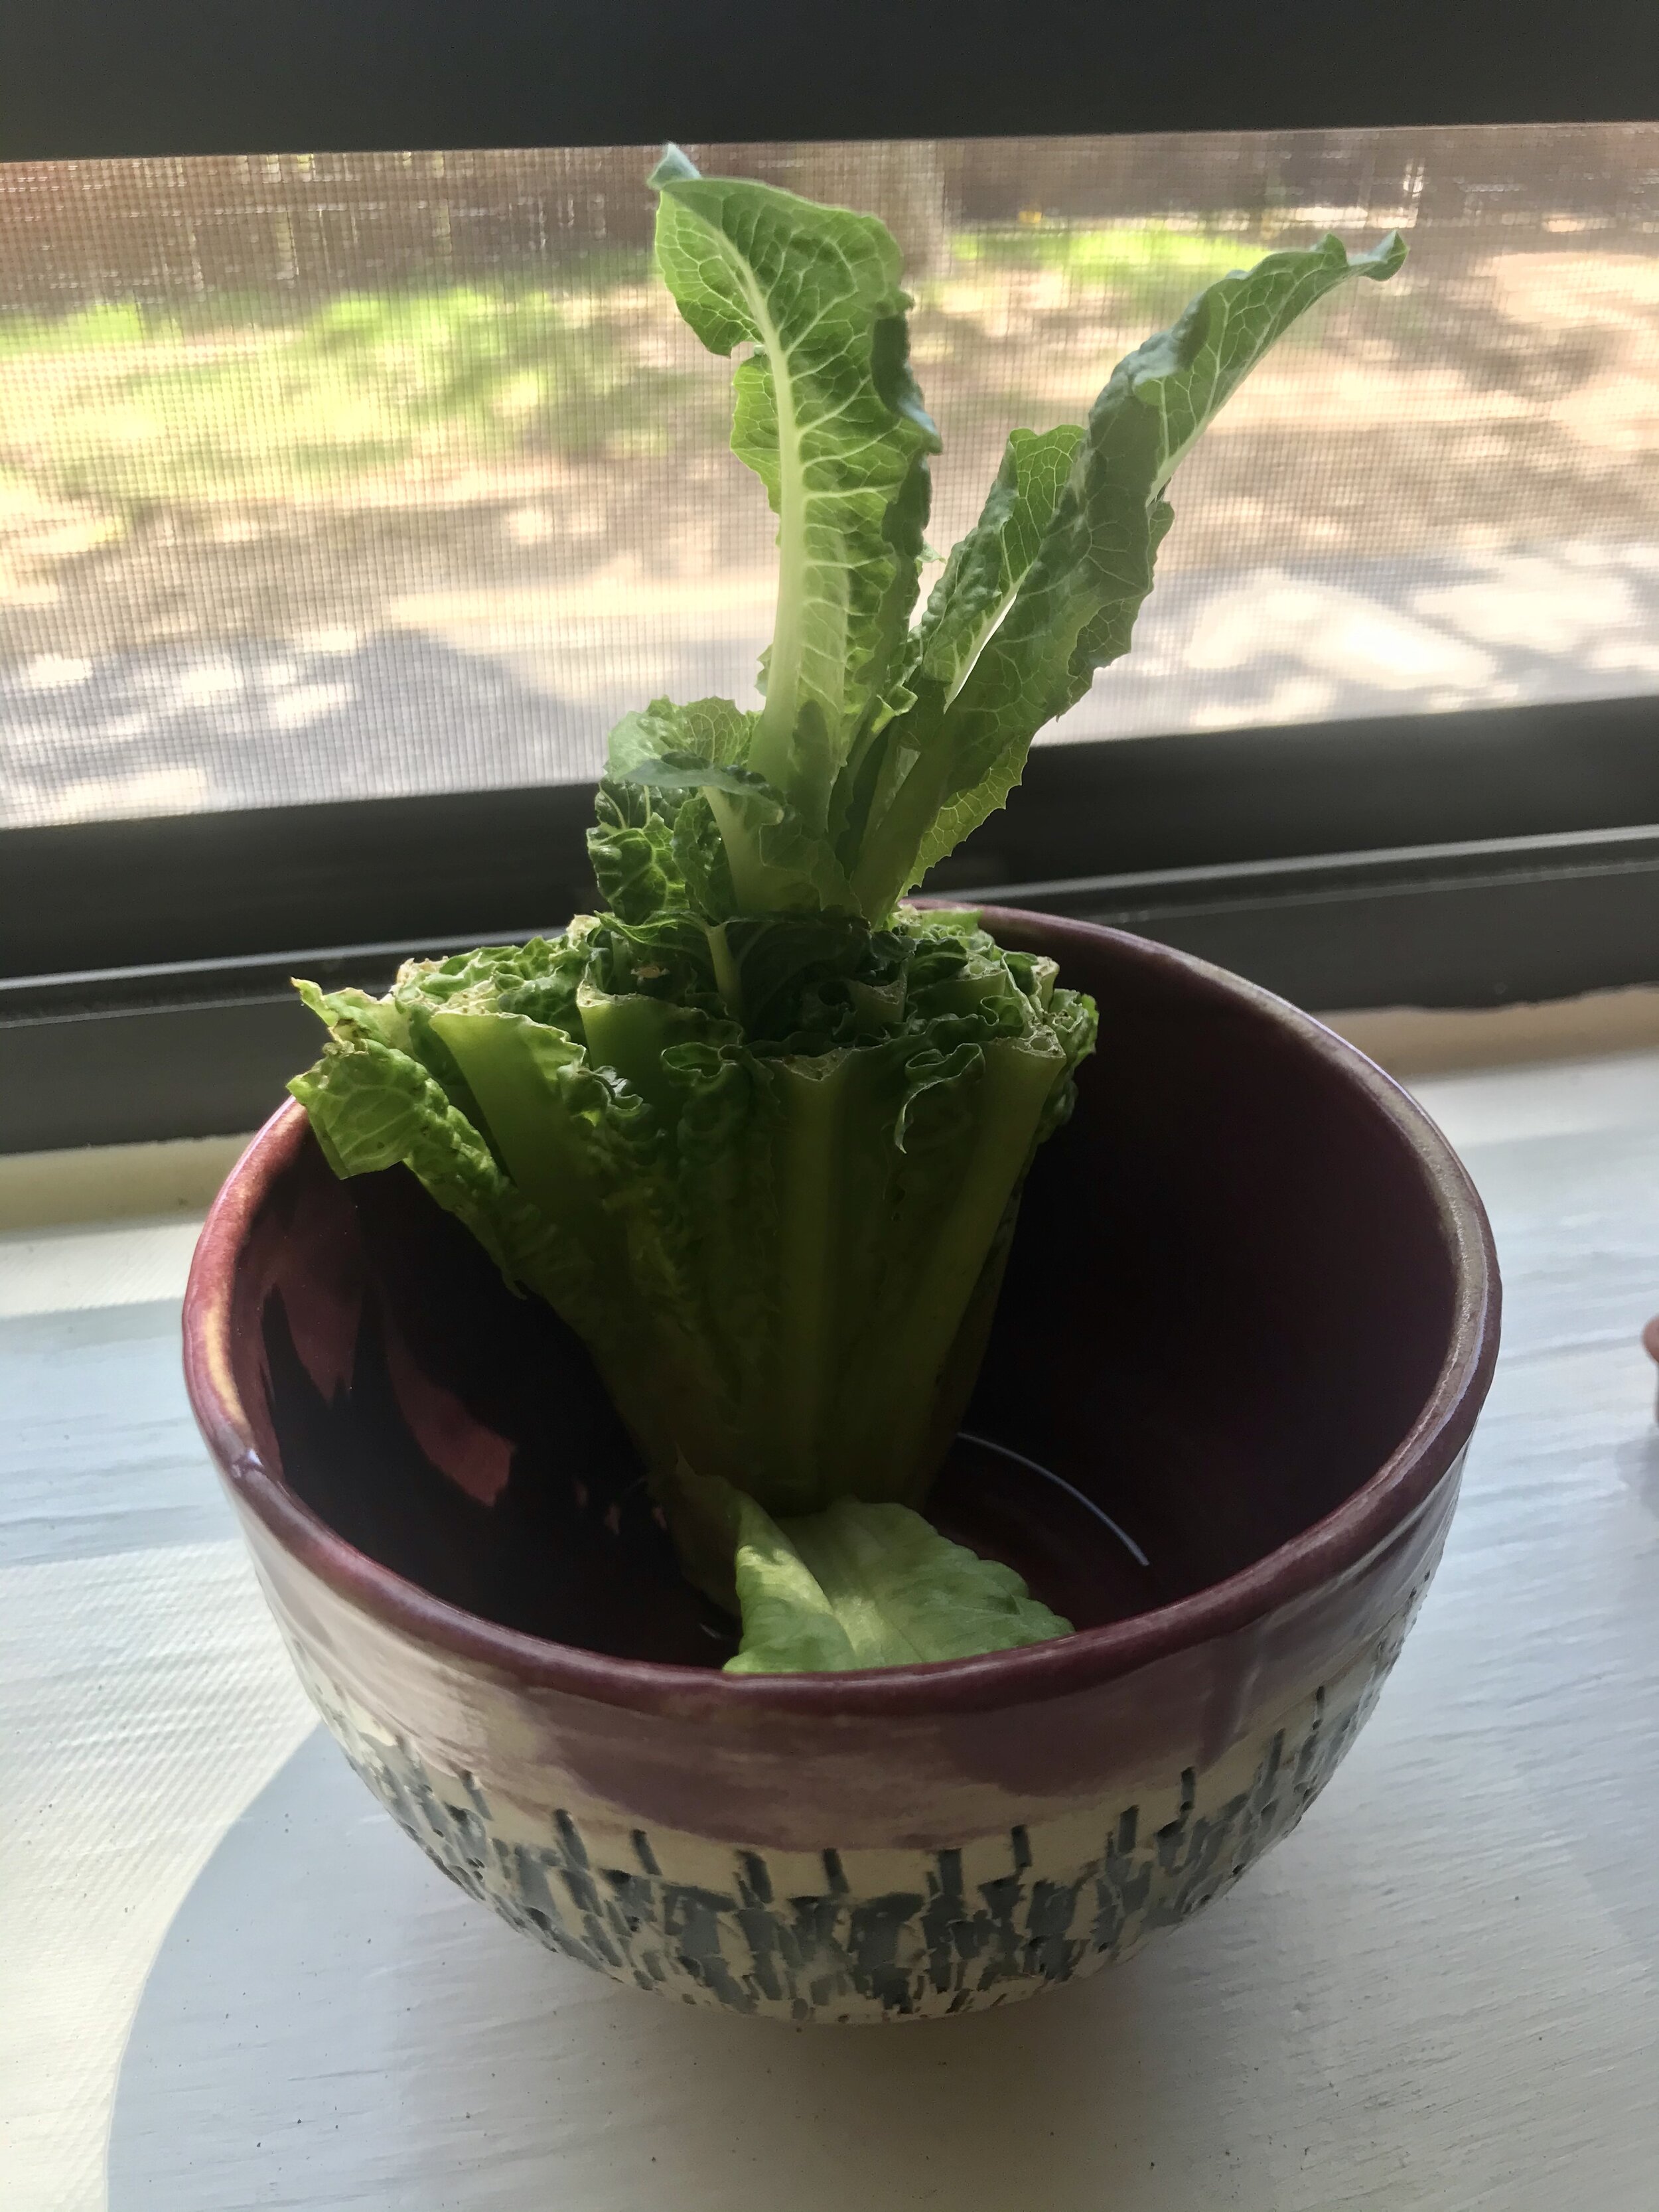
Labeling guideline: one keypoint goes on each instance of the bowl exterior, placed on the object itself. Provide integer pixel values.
(862, 1872)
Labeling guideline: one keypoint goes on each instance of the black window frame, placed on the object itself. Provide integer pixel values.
(1465, 858)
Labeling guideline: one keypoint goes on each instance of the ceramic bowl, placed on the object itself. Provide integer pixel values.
(1249, 1321)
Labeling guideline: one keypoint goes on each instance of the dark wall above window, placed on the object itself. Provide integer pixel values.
(80, 78)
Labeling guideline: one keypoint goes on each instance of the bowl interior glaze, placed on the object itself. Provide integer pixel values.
(1233, 1293)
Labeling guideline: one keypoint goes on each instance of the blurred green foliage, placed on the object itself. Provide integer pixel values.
(133, 409)
(261, 398)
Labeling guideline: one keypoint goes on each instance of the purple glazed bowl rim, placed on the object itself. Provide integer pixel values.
(1314, 1560)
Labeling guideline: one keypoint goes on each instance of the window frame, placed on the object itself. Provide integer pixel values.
(1456, 860)
(1473, 857)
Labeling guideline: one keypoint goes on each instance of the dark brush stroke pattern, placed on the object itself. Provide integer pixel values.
(935, 1947)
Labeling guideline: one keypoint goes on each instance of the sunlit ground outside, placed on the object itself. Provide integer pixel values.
(314, 518)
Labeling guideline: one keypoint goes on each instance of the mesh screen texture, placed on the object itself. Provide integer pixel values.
(346, 476)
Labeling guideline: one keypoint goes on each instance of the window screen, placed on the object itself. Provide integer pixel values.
(337, 476)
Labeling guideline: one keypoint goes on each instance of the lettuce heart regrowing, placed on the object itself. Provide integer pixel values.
(757, 1129)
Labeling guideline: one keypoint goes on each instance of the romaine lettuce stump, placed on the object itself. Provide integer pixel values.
(757, 1131)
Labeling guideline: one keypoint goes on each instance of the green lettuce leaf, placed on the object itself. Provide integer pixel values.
(870, 1586)
(829, 416)
(713, 731)
(373, 1107)
(985, 569)
(1075, 605)
(687, 762)
(632, 852)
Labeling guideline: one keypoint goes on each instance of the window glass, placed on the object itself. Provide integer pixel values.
(339, 476)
